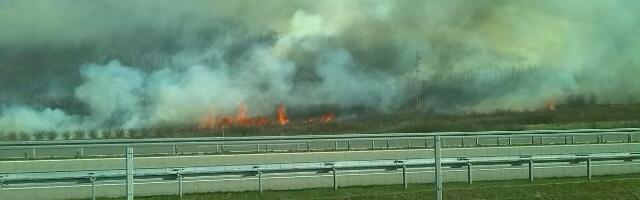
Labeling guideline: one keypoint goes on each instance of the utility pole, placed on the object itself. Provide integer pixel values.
(418, 82)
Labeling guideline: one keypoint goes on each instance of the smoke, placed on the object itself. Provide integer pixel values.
(118, 64)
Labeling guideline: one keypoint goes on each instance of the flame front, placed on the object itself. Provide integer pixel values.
(550, 105)
(242, 118)
(281, 115)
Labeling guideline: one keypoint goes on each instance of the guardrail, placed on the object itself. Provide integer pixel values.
(301, 138)
(321, 167)
(257, 170)
(253, 144)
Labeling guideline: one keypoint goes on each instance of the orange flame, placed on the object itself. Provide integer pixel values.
(206, 122)
(327, 117)
(241, 118)
(281, 115)
(550, 105)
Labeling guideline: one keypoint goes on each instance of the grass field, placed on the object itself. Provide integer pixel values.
(565, 117)
(602, 187)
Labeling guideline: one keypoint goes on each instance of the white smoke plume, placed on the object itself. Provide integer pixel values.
(68, 65)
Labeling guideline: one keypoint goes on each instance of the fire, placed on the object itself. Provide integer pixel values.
(207, 122)
(242, 118)
(550, 105)
(327, 117)
(281, 115)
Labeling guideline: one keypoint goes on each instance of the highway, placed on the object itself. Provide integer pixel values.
(299, 180)
(279, 154)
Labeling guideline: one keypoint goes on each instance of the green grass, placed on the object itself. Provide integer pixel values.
(600, 187)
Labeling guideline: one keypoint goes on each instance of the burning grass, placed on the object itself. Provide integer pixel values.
(562, 117)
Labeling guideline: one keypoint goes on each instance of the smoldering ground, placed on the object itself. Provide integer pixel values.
(127, 64)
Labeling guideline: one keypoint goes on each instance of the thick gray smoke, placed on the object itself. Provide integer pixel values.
(125, 64)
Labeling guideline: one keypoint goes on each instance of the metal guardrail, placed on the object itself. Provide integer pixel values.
(175, 146)
(322, 167)
(258, 170)
(303, 138)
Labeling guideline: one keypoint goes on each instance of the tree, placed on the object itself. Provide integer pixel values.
(156, 133)
(119, 133)
(107, 134)
(24, 136)
(93, 134)
(39, 135)
(145, 133)
(132, 133)
(66, 135)
(12, 136)
(51, 135)
(79, 134)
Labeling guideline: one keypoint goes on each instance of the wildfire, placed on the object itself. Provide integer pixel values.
(281, 115)
(206, 122)
(550, 105)
(327, 117)
(241, 118)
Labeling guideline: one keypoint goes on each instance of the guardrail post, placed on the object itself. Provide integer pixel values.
(257, 147)
(462, 142)
(33, 153)
(409, 144)
(589, 168)
(180, 188)
(175, 149)
(373, 144)
(1, 185)
(510, 141)
(217, 148)
(601, 137)
(335, 145)
(629, 138)
(335, 178)
(387, 144)
(469, 175)
(348, 145)
(566, 140)
(129, 172)
(436, 144)
(260, 181)
(477, 142)
(297, 146)
(93, 187)
(532, 140)
(497, 141)
(404, 175)
(308, 147)
(266, 147)
(541, 140)
(530, 169)
(80, 152)
(573, 139)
